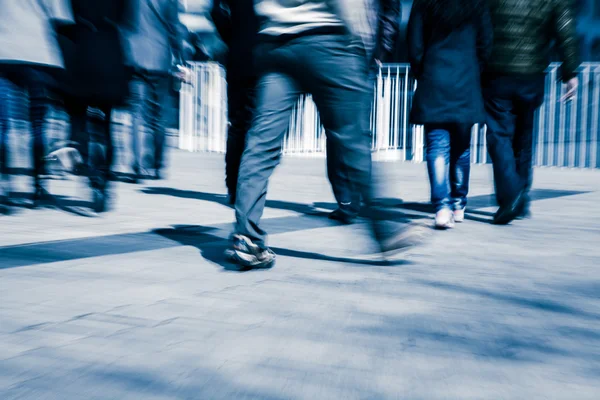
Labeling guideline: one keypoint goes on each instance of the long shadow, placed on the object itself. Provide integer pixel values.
(309, 210)
(53, 202)
(212, 247)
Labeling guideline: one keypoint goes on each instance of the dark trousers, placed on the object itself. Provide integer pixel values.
(38, 82)
(334, 70)
(511, 102)
(92, 138)
(448, 164)
(149, 94)
(241, 99)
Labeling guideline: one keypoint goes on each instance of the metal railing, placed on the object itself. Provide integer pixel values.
(566, 134)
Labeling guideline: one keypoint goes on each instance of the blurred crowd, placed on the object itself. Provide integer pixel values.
(475, 61)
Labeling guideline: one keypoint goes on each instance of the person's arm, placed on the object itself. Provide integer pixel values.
(416, 40)
(485, 38)
(203, 34)
(388, 29)
(566, 37)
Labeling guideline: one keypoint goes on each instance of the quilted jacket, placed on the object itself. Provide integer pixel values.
(524, 31)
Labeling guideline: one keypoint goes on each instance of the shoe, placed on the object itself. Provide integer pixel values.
(248, 255)
(40, 196)
(444, 219)
(407, 238)
(459, 215)
(525, 213)
(342, 216)
(99, 200)
(505, 215)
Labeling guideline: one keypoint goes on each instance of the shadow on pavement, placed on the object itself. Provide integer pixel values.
(212, 247)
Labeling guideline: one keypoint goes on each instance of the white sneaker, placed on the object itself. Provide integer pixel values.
(459, 215)
(444, 219)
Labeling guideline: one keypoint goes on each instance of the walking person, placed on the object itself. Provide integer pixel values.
(389, 13)
(322, 48)
(30, 57)
(238, 25)
(513, 88)
(154, 40)
(449, 43)
(95, 78)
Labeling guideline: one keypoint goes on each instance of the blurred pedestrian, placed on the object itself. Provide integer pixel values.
(96, 78)
(324, 49)
(389, 13)
(154, 43)
(449, 43)
(238, 25)
(513, 87)
(29, 57)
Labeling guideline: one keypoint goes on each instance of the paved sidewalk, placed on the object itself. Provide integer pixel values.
(138, 304)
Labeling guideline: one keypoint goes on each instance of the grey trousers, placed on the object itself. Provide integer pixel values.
(334, 70)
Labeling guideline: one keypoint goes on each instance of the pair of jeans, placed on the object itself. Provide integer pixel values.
(38, 83)
(448, 164)
(241, 98)
(511, 102)
(92, 138)
(334, 70)
(149, 94)
(348, 201)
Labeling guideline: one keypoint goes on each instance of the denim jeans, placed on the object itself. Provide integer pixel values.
(38, 82)
(449, 164)
(92, 138)
(334, 70)
(347, 200)
(149, 93)
(511, 102)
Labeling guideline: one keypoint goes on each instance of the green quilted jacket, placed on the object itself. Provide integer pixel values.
(524, 31)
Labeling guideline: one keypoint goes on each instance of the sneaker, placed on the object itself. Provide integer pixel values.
(407, 238)
(249, 255)
(459, 215)
(342, 216)
(444, 219)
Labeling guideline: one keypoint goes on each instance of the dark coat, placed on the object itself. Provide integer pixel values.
(94, 52)
(238, 25)
(153, 36)
(449, 42)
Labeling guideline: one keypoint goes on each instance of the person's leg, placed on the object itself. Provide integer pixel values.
(348, 202)
(241, 99)
(100, 136)
(437, 139)
(157, 104)
(78, 134)
(335, 71)
(5, 89)
(460, 168)
(137, 106)
(501, 121)
(529, 98)
(277, 93)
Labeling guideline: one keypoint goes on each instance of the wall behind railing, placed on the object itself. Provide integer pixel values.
(566, 134)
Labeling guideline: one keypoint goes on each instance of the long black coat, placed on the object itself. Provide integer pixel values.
(448, 47)
(94, 51)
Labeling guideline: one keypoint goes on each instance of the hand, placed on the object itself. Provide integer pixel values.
(184, 74)
(572, 86)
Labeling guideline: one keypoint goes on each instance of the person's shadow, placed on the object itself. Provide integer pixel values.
(212, 243)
